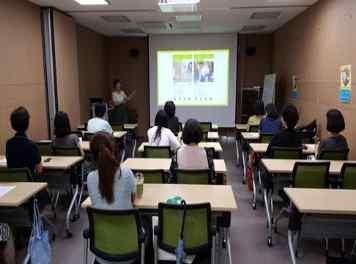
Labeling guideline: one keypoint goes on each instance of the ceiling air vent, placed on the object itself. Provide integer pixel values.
(266, 15)
(253, 28)
(116, 19)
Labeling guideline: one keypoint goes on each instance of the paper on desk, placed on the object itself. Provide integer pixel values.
(5, 189)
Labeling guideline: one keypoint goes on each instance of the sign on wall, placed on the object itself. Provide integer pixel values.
(345, 84)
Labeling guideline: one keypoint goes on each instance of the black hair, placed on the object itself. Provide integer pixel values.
(170, 109)
(335, 121)
(20, 119)
(61, 125)
(259, 108)
(290, 116)
(271, 111)
(100, 110)
(192, 132)
(161, 120)
(115, 82)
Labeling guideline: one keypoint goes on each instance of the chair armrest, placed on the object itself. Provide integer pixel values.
(86, 233)
(142, 235)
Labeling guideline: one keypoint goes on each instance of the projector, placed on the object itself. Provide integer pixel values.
(179, 6)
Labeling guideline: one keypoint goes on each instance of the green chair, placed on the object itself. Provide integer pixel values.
(348, 176)
(193, 176)
(69, 152)
(266, 137)
(287, 153)
(205, 137)
(157, 152)
(199, 237)
(254, 129)
(15, 175)
(154, 176)
(311, 175)
(117, 127)
(334, 155)
(206, 126)
(45, 148)
(115, 235)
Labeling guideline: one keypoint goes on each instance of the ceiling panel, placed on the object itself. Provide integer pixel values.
(217, 15)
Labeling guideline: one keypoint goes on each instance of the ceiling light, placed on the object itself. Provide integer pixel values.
(189, 18)
(92, 2)
(179, 6)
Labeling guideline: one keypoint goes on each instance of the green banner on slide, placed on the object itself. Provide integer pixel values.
(182, 57)
(203, 57)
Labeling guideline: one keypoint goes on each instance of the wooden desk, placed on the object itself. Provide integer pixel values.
(56, 162)
(211, 136)
(22, 192)
(249, 136)
(119, 134)
(323, 201)
(286, 166)
(261, 148)
(215, 145)
(220, 197)
(242, 127)
(143, 164)
(132, 126)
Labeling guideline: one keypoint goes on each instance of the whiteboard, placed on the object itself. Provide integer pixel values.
(269, 88)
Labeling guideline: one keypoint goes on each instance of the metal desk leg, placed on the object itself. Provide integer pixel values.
(268, 199)
(72, 203)
(244, 168)
(291, 246)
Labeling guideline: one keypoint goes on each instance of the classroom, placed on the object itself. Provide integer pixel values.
(177, 131)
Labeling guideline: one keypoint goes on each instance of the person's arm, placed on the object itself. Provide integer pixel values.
(173, 140)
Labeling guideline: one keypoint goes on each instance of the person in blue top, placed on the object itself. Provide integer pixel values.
(271, 124)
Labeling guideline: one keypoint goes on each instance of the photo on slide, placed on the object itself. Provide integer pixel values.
(203, 68)
(183, 68)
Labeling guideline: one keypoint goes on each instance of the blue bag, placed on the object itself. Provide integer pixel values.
(39, 248)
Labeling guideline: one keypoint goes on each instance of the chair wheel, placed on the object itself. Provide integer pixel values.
(69, 234)
(269, 242)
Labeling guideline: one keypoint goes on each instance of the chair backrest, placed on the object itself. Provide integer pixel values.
(66, 151)
(15, 175)
(334, 154)
(193, 176)
(78, 133)
(45, 148)
(157, 152)
(114, 235)
(197, 231)
(117, 127)
(311, 174)
(286, 153)
(348, 176)
(266, 137)
(205, 126)
(154, 176)
(88, 136)
(205, 136)
(306, 138)
(253, 128)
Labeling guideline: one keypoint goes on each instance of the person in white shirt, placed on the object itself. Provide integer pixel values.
(98, 123)
(190, 156)
(160, 135)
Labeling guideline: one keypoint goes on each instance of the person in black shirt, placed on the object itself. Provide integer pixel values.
(287, 137)
(173, 122)
(21, 152)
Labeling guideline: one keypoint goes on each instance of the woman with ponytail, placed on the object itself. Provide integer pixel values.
(160, 135)
(110, 187)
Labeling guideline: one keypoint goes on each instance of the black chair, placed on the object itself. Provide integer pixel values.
(157, 152)
(45, 148)
(287, 153)
(348, 176)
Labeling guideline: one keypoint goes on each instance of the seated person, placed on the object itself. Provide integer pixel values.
(62, 130)
(98, 123)
(190, 156)
(335, 125)
(173, 122)
(259, 112)
(272, 123)
(160, 135)
(287, 137)
(110, 187)
(21, 152)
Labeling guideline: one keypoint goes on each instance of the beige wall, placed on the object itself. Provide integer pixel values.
(21, 67)
(93, 68)
(313, 47)
(66, 50)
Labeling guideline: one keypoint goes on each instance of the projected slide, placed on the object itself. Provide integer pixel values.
(193, 77)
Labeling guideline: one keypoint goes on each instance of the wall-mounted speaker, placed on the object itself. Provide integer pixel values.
(251, 51)
(134, 53)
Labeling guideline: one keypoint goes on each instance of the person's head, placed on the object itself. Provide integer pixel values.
(100, 110)
(290, 116)
(102, 148)
(20, 120)
(161, 119)
(192, 132)
(170, 108)
(117, 85)
(335, 121)
(259, 108)
(61, 125)
(271, 111)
